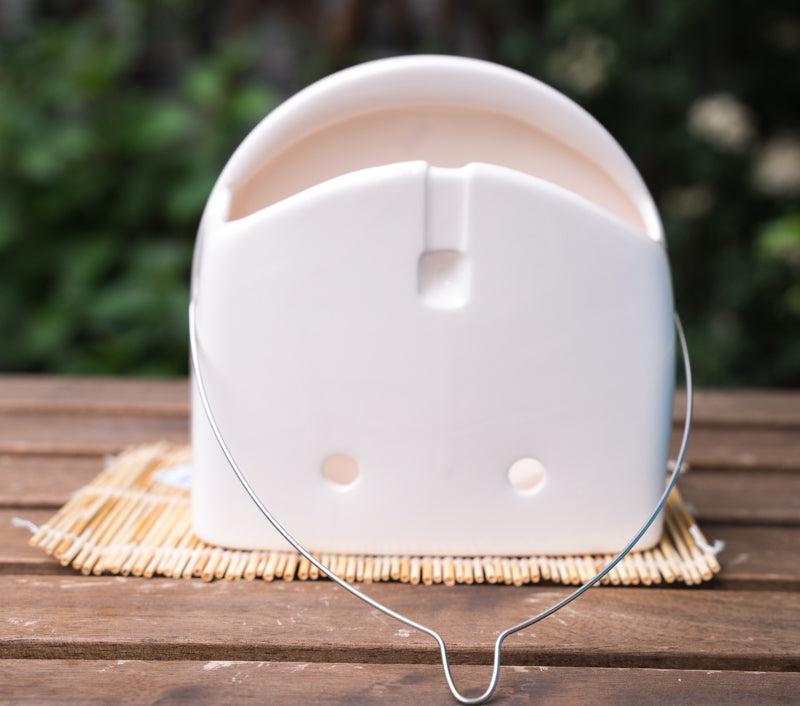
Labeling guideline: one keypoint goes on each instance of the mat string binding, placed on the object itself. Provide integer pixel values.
(127, 522)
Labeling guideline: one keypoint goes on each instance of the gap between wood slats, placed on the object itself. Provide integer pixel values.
(584, 657)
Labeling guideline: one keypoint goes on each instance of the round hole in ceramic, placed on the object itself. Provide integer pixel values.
(340, 469)
(527, 474)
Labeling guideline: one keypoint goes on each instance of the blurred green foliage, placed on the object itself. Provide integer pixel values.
(116, 118)
(104, 175)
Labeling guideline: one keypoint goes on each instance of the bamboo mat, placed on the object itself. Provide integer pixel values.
(127, 521)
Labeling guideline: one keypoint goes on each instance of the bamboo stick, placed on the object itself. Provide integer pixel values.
(663, 565)
(236, 566)
(488, 571)
(202, 560)
(505, 568)
(182, 557)
(437, 569)
(588, 568)
(497, 564)
(313, 570)
(150, 569)
(427, 571)
(684, 523)
(469, 574)
(181, 525)
(304, 569)
(350, 569)
(572, 571)
(262, 564)
(222, 564)
(690, 572)
(641, 570)
(405, 570)
(477, 570)
(386, 568)
(341, 566)
(448, 572)
(414, 572)
(249, 572)
(210, 567)
(280, 564)
(290, 567)
(82, 529)
(458, 570)
(672, 559)
(533, 570)
(652, 569)
(682, 510)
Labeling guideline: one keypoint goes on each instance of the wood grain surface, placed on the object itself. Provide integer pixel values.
(200, 682)
(66, 638)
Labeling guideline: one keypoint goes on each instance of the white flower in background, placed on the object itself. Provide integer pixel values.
(722, 120)
(777, 167)
(688, 202)
(584, 61)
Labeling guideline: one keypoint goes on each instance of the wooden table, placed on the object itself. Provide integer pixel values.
(69, 638)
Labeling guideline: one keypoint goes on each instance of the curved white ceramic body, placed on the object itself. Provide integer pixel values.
(435, 318)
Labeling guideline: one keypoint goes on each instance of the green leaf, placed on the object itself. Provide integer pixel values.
(779, 240)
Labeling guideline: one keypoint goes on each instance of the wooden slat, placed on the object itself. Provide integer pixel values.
(325, 646)
(85, 417)
(766, 558)
(98, 618)
(44, 481)
(67, 434)
(97, 434)
(720, 496)
(94, 395)
(759, 557)
(16, 556)
(200, 682)
(772, 408)
(718, 448)
(743, 496)
(752, 408)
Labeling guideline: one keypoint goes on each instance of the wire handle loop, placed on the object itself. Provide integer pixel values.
(486, 695)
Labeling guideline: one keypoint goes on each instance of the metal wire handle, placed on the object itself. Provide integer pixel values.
(486, 695)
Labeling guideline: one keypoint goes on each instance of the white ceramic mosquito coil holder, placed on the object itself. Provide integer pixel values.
(434, 311)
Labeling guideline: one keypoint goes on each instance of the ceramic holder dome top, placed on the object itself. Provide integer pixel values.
(435, 315)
